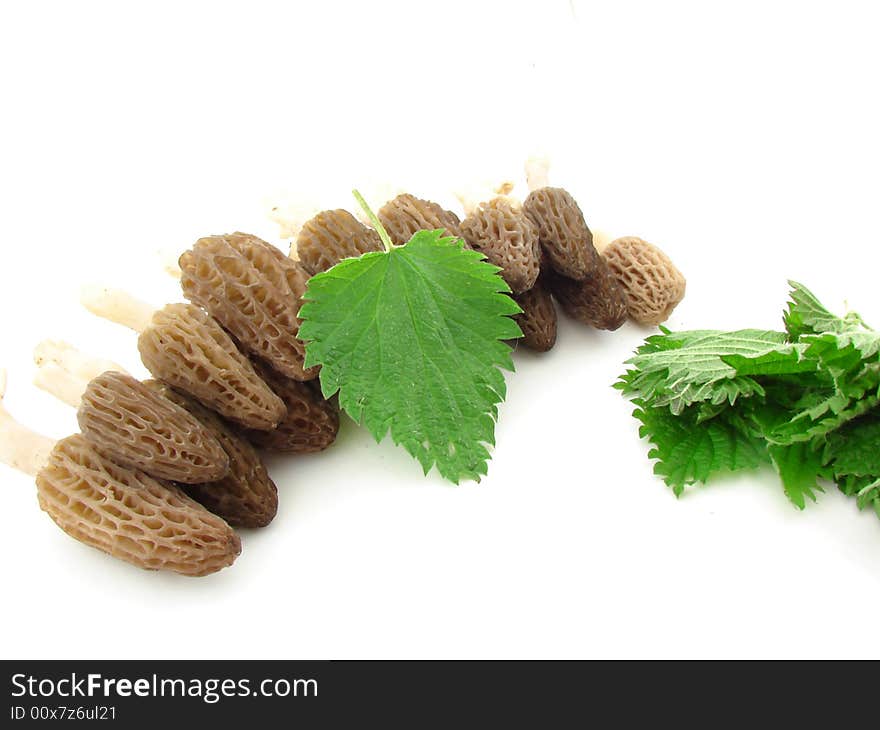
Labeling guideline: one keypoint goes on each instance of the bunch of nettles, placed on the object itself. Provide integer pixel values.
(804, 400)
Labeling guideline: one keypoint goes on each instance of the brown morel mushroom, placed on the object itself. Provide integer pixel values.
(127, 422)
(538, 318)
(331, 236)
(124, 512)
(406, 214)
(562, 230)
(506, 235)
(136, 427)
(254, 291)
(183, 346)
(312, 422)
(597, 301)
(246, 496)
(653, 286)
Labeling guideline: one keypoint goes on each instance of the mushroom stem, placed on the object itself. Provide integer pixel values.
(22, 449)
(471, 197)
(537, 172)
(77, 363)
(65, 372)
(168, 260)
(117, 306)
(60, 383)
(291, 217)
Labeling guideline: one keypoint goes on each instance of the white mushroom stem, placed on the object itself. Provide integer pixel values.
(291, 217)
(471, 197)
(68, 358)
(22, 449)
(537, 172)
(65, 372)
(57, 382)
(117, 306)
(168, 259)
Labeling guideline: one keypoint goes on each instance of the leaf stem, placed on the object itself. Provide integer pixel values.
(377, 224)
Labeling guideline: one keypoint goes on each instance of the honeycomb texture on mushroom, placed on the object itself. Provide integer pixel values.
(538, 318)
(597, 301)
(562, 231)
(508, 237)
(134, 426)
(311, 424)
(406, 214)
(253, 290)
(187, 349)
(130, 515)
(331, 236)
(653, 285)
(246, 496)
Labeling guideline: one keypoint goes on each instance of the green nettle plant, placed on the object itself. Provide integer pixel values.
(803, 399)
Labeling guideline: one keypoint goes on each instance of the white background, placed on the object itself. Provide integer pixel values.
(740, 137)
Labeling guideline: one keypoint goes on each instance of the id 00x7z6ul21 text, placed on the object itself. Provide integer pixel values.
(61, 712)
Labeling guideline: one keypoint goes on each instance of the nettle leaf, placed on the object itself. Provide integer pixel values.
(690, 367)
(412, 339)
(808, 399)
(689, 450)
(806, 314)
(866, 490)
(821, 411)
(854, 449)
(799, 467)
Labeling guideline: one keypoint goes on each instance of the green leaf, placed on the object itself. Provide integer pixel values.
(866, 490)
(821, 411)
(412, 340)
(679, 369)
(806, 314)
(808, 399)
(689, 450)
(799, 467)
(854, 449)
(790, 359)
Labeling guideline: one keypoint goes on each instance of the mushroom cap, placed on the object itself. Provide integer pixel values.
(508, 238)
(254, 291)
(136, 427)
(333, 235)
(652, 283)
(186, 348)
(406, 214)
(131, 515)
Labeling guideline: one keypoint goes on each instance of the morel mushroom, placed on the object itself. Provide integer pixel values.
(124, 512)
(254, 291)
(653, 286)
(246, 496)
(538, 318)
(311, 424)
(562, 230)
(331, 236)
(182, 346)
(597, 301)
(406, 214)
(506, 235)
(134, 426)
